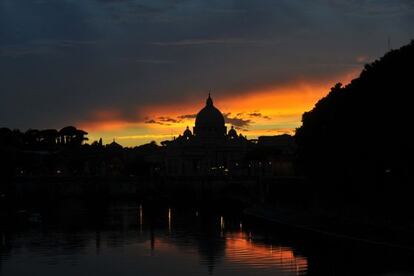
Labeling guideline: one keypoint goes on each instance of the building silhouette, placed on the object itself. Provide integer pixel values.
(207, 150)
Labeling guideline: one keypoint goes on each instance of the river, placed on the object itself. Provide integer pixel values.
(135, 239)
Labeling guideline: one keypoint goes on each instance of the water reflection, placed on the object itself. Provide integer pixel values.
(221, 226)
(241, 249)
(185, 242)
(141, 221)
(169, 220)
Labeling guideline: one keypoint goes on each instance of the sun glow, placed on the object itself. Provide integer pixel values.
(266, 111)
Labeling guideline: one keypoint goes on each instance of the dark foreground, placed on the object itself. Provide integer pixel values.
(75, 238)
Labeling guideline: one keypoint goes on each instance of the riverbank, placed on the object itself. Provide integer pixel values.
(212, 192)
(330, 224)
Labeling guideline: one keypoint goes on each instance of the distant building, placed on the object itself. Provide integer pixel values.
(209, 149)
(273, 156)
(284, 143)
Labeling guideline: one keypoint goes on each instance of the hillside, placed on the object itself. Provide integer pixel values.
(356, 144)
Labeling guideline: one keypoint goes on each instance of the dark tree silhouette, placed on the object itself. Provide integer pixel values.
(356, 144)
(49, 136)
(80, 137)
(31, 137)
(67, 134)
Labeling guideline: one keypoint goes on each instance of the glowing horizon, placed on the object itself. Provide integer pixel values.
(267, 111)
(108, 66)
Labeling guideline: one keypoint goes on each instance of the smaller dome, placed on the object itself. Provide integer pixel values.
(232, 133)
(114, 145)
(187, 132)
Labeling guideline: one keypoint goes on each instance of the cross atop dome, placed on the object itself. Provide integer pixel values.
(209, 101)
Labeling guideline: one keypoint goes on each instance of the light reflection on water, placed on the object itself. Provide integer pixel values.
(122, 242)
(141, 219)
(242, 250)
(119, 241)
(169, 220)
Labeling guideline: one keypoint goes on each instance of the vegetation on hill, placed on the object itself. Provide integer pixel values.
(357, 144)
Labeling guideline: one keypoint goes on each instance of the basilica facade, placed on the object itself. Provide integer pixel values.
(207, 150)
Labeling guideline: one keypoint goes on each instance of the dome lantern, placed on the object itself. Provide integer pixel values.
(209, 101)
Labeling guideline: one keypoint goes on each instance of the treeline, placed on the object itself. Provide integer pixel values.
(42, 139)
(64, 153)
(357, 143)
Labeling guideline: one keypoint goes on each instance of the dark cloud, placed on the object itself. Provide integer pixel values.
(152, 121)
(137, 10)
(254, 114)
(114, 1)
(162, 120)
(215, 41)
(259, 115)
(237, 121)
(188, 116)
(42, 47)
(154, 61)
(168, 120)
(61, 61)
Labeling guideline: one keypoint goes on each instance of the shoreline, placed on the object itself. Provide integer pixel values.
(374, 234)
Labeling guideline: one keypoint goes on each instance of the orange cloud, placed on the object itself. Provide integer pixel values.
(104, 125)
(268, 111)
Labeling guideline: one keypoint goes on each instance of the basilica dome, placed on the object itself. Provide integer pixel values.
(209, 121)
(209, 116)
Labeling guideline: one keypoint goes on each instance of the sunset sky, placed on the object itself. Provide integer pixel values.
(138, 70)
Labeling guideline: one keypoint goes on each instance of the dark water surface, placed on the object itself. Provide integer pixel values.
(133, 239)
